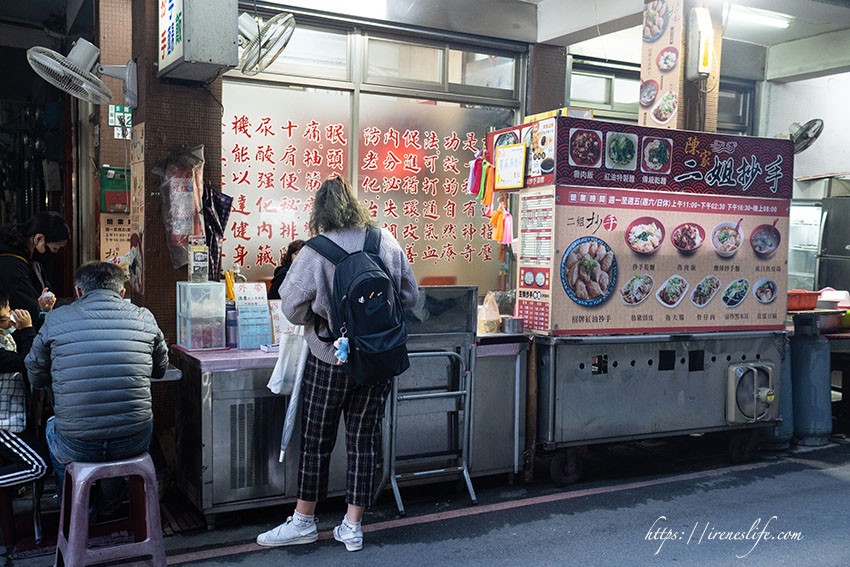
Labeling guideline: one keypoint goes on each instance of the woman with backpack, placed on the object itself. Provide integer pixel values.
(334, 384)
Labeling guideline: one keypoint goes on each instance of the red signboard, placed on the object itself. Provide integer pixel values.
(604, 154)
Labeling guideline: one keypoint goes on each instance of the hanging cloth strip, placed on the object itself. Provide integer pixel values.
(481, 185)
(508, 237)
(475, 174)
(489, 185)
(497, 222)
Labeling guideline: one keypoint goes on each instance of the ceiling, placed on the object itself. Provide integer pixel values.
(32, 12)
(52, 18)
(808, 18)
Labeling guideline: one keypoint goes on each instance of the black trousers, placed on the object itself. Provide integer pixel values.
(328, 393)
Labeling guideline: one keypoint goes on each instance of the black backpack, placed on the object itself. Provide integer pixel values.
(367, 309)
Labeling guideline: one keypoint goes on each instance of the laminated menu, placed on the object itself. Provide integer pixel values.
(253, 311)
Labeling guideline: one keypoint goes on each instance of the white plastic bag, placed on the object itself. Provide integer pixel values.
(286, 379)
(290, 362)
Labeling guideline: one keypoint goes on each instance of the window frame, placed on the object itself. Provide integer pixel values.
(747, 88)
(610, 110)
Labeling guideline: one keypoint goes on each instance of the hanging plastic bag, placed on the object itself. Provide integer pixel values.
(286, 380)
(290, 362)
(182, 190)
(488, 316)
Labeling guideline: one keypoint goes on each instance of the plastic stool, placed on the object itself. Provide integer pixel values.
(72, 542)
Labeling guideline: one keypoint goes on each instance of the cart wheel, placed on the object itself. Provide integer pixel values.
(742, 447)
(565, 468)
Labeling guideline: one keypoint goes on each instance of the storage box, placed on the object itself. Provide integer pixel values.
(200, 315)
(200, 333)
(205, 299)
(114, 189)
(800, 300)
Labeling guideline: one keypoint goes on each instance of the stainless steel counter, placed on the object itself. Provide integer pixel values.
(229, 423)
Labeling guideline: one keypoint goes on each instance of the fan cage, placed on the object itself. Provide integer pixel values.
(67, 76)
(746, 394)
(269, 43)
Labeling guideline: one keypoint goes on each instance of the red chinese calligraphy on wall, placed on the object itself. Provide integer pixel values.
(279, 145)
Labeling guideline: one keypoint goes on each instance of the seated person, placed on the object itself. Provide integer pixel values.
(98, 355)
(22, 462)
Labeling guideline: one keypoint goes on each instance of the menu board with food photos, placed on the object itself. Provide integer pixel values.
(628, 261)
(661, 65)
(650, 230)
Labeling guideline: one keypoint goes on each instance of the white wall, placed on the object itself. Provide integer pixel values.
(825, 98)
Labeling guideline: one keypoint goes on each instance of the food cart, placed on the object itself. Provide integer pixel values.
(441, 419)
(651, 267)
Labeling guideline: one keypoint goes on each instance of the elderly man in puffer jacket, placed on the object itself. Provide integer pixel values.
(98, 355)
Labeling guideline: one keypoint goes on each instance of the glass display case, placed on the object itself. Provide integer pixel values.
(803, 239)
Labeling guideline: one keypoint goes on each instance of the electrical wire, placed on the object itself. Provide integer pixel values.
(215, 98)
(598, 32)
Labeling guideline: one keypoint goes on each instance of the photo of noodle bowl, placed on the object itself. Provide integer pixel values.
(637, 289)
(644, 235)
(589, 271)
(727, 238)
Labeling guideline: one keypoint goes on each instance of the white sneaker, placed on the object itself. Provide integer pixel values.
(288, 533)
(351, 536)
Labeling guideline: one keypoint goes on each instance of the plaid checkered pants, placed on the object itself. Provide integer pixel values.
(326, 393)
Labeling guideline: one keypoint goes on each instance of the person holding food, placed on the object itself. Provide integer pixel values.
(18, 273)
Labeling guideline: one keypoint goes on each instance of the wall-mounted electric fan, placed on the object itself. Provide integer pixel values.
(805, 135)
(262, 43)
(77, 74)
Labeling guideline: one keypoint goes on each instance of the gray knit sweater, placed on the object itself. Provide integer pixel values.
(308, 287)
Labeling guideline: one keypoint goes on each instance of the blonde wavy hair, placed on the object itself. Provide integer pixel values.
(336, 207)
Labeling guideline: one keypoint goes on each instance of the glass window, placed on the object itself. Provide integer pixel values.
(734, 109)
(626, 91)
(388, 59)
(412, 177)
(278, 145)
(314, 53)
(481, 70)
(589, 88)
(729, 106)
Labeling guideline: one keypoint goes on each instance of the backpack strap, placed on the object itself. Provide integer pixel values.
(327, 248)
(372, 245)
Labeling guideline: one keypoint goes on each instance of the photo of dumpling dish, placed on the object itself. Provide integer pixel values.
(589, 271)
(637, 289)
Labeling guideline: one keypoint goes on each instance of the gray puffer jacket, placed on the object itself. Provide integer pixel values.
(100, 353)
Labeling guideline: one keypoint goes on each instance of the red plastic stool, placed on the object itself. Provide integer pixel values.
(72, 542)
